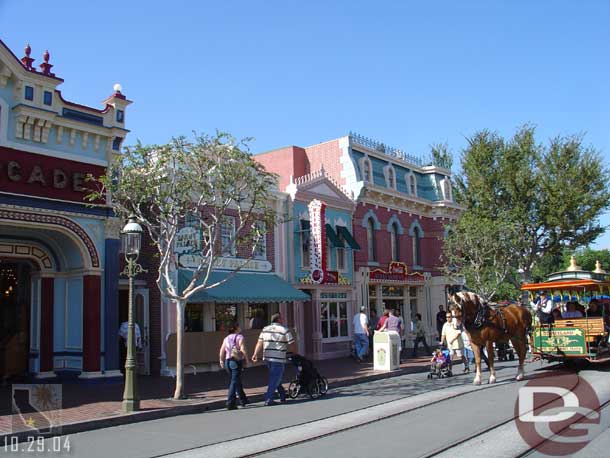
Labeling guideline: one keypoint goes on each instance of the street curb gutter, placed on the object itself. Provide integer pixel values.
(120, 420)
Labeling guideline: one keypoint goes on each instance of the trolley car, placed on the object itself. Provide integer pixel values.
(569, 339)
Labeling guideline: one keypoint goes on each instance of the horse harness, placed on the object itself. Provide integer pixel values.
(482, 319)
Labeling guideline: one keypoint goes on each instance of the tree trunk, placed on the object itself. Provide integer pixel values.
(179, 393)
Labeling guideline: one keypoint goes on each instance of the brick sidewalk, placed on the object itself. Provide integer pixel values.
(96, 404)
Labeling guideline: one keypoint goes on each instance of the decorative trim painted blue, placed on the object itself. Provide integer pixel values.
(25, 201)
(371, 214)
(40, 242)
(394, 220)
(415, 224)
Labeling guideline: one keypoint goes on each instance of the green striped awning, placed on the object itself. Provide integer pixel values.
(347, 236)
(331, 235)
(243, 287)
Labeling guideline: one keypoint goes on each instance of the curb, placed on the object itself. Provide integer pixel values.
(125, 419)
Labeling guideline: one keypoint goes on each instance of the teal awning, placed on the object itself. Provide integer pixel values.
(331, 235)
(243, 287)
(343, 232)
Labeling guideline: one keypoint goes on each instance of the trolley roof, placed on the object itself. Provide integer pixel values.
(582, 285)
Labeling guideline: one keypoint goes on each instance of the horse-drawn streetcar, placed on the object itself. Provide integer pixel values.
(574, 334)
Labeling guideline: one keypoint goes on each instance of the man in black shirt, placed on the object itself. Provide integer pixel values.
(440, 321)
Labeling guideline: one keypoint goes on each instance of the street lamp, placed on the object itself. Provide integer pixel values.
(131, 240)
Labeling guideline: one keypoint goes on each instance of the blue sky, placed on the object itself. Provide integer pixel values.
(407, 73)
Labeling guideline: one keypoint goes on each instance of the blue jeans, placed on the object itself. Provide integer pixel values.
(276, 372)
(234, 369)
(361, 342)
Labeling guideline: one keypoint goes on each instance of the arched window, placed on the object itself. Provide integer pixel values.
(391, 177)
(394, 241)
(412, 185)
(416, 246)
(370, 238)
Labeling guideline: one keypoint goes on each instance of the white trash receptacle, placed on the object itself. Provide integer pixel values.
(386, 346)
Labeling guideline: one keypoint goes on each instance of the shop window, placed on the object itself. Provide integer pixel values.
(394, 241)
(29, 93)
(47, 98)
(258, 315)
(370, 238)
(413, 301)
(193, 316)
(333, 317)
(225, 315)
(227, 236)
(372, 297)
(341, 259)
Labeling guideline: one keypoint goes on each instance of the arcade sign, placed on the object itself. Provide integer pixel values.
(397, 272)
(317, 240)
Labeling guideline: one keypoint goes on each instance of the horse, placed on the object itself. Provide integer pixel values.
(487, 325)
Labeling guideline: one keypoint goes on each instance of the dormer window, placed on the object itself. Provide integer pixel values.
(120, 116)
(411, 183)
(29, 93)
(116, 143)
(366, 170)
(390, 176)
(47, 98)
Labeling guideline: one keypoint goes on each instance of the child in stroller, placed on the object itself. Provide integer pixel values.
(439, 364)
(307, 378)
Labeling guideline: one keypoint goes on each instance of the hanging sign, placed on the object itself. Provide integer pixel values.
(397, 272)
(317, 240)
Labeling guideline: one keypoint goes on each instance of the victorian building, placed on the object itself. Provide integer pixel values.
(59, 267)
(401, 207)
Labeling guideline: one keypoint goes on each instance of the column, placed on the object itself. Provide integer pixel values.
(46, 324)
(91, 323)
(111, 306)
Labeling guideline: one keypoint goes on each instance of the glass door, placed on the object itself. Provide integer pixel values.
(143, 319)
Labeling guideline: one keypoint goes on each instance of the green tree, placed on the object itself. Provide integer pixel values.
(587, 257)
(440, 155)
(551, 196)
(197, 183)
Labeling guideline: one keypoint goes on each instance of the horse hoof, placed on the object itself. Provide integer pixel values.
(519, 377)
(492, 379)
(476, 381)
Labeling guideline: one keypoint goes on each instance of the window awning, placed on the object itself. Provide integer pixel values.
(347, 236)
(334, 240)
(243, 287)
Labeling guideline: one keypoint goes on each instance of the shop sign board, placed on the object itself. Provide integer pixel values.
(397, 272)
(561, 340)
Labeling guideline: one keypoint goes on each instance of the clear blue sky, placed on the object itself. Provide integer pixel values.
(409, 73)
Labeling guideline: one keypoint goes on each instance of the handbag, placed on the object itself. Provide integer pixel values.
(236, 353)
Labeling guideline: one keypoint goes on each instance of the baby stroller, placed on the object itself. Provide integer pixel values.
(444, 370)
(307, 378)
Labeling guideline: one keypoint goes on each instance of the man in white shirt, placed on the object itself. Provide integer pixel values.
(543, 308)
(123, 331)
(361, 334)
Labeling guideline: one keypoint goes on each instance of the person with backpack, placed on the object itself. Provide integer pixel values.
(232, 357)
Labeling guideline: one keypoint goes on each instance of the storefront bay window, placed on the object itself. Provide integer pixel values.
(393, 297)
(333, 315)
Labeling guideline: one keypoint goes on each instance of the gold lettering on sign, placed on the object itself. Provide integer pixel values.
(78, 179)
(60, 180)
(36, 176)
(13, 171)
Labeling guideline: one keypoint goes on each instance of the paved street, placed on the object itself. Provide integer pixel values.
(419, 428)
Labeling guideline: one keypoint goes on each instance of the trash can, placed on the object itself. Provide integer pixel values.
(385, 351)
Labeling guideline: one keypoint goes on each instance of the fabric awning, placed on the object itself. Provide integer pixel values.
(244, 287)
(347, 236)
(331, 235)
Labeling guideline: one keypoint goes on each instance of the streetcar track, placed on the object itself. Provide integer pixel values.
(499, 384)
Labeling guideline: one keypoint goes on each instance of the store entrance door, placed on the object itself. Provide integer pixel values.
(15, 279)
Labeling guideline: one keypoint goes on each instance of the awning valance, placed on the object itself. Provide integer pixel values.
(243, 287)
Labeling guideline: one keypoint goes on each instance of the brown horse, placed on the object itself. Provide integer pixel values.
(487, 325)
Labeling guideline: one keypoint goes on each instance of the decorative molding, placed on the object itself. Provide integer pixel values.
(384, 149)
(55, 220)
(394, 220)
(371, 214)
(415, 224)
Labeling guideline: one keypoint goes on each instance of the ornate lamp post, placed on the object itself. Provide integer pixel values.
(131, 240)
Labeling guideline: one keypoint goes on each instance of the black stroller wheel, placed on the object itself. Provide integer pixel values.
(322, 385)
(314, 389)
(294, 389)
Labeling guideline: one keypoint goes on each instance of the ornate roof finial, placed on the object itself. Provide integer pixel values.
(573, 267)
(27, 60)
(598, 268)
(46, 66)
(46, 56)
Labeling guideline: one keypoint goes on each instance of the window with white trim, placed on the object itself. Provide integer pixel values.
(412, 185)
(370, 238)
(394, 241)
(333, 316)
(227, 236)
(341, 259)
(416, 246)
(366, 170)
(390, 177)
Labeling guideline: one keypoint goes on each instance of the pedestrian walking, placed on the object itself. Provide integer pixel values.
(402, 328)
(420, 335)
(440, 321)
(361, 334)
(233, 357)
(451, 336)
(123, 332)
(274, 341)
(382, 320)
(392, 323)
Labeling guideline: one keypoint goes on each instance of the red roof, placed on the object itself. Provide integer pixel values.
(588, 285)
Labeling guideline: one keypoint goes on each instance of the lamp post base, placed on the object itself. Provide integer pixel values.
(131, 405)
